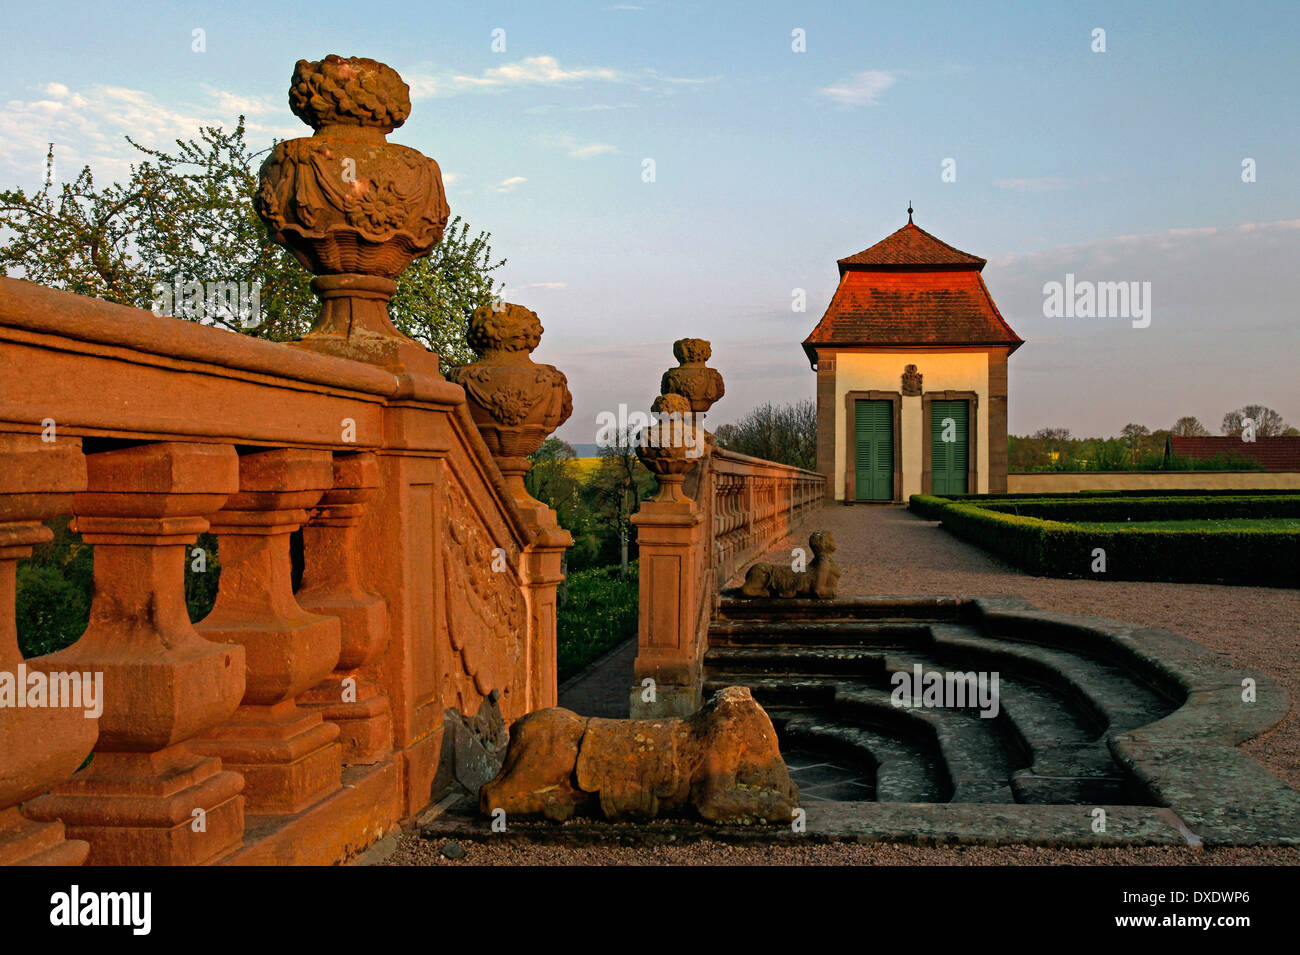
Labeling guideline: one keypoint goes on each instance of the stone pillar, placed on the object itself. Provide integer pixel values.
(997, 436)
(827, 410)
(330, 586)
(289, 756)
(669, 539)
(147, 797)
(672, 540)
(39, 747)
(356, 236)
(542, 573)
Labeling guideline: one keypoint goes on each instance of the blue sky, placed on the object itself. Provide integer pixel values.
(771, 164)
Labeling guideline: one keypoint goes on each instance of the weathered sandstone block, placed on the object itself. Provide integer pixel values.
(724, 763)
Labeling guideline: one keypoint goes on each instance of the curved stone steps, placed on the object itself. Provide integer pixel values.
(1118, 700)
(976, 755)
(1064, 745)
(1031, 715)
(895, 608)
(1071, 775)
(851, 633)
(1046, 745)
(853, 661)
(904, 771)
(980, 760)
(777, 691)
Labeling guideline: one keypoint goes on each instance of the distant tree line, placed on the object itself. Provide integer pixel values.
(1138, 447)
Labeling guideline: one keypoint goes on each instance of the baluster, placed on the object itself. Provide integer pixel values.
(289, 756)
(330, 586)
(147, 797)
(39, 747)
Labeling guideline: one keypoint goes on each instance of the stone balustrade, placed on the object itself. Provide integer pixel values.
(754, 504)
(285, 726)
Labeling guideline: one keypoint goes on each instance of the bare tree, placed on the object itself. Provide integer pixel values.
(619, 483)
(786, 434)
(1133, 435)
(1268, 423)
(1190, 427)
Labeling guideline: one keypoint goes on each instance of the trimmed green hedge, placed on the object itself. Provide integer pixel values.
(929, 506)
(1125, 495)
(1058, 549)
(1154, 508)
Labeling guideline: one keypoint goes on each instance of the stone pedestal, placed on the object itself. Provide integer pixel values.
(542, 562)
(42, 747)
(672, 543)
(147, 797)
(354, 324)
(289, 756)
(670, 539)
(330, 586)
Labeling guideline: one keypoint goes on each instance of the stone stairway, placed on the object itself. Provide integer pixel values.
(825, 672)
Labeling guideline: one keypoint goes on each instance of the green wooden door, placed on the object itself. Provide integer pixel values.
(874, 448)
(949, 446)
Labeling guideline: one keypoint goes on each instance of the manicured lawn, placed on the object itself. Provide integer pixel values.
(1226, 524)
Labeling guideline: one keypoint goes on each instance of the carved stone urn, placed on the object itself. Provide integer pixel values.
(515, 402)
(692, 378)
(671, 445)
(353, 208)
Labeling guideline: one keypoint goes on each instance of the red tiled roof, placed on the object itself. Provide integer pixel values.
(1280, 453)
(910, 247)
(911, 289)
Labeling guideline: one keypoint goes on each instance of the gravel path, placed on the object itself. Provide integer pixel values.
(888, 550)
(412, 850)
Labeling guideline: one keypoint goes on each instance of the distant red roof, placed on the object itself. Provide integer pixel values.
(911, 289)
(1281, 453)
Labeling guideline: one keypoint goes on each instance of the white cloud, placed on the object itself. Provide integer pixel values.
(88, 126)
(681, 80)
(509, 185)
(234, 104)
(861, 88)
(540, 71)
(577, 150)
(1040, 184)
(530, 71)
(541, 285)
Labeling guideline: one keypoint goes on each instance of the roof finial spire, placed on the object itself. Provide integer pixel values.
(909, 211)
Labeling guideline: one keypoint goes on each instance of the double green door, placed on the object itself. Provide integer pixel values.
(874, 450)
(949, 446)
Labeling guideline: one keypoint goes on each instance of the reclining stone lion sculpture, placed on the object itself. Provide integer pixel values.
(723, 762)
(820, 580)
